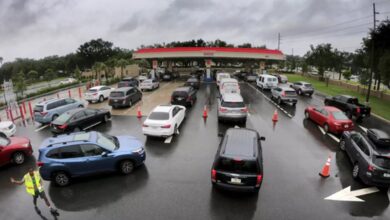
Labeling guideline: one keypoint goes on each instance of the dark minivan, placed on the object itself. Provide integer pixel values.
(185, 96)
(124, 97)
(238, 164)
(128, 82)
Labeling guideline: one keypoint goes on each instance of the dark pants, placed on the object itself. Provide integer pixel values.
(42, 195)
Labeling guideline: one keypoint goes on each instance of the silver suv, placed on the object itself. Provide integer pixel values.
(303, 88)
(231, 107)
(47, 111)
(284, 95)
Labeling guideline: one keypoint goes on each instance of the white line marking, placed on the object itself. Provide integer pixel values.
(41, 128)
(92, 125)
(321, 129)
(168, 140)
(351, 196)
(363, 128)
(334, 137)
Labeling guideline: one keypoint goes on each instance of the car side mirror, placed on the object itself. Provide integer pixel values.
(220, 134)
(262, 138)
(104, 154)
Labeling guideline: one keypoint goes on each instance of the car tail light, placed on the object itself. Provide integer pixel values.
(358, 110)
(222, 109)
(166, 126)
(259, 178)
(189, 98)
(371, 167)
(283, 93)
(244, 109)
(44, 113)
(145, 126)
(213, 175)
(40, 164)
(64, 126)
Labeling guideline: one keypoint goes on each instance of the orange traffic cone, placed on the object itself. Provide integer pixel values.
(139, 114)
(205, 112)
(326, 169)
(275, 116)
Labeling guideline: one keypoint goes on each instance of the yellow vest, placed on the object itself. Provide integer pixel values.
(30, 185)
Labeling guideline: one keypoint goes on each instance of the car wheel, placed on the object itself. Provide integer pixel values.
(130, 103)
(76, 129)
(126, 167)
(54, 117)
(355, 171)
(101, 98)
(18, 158)
(3, 135)
(279, 101)
(175, 130)
(342, 144)
(326, 103)
(105, 118)
(89, 101)
(326, 128)
(61, 179)
(299, 92)
(81, 106)
(307, 115)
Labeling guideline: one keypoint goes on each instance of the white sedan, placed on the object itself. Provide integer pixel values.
(98, 93)
(7, 128)
(149, 84)
(164, 121)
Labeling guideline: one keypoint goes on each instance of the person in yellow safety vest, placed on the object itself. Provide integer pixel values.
(33, 183)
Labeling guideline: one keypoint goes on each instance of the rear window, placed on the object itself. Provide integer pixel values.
(92, 90)
(339, 115)
(290, 93)
(123, 84)
(237, 166)
(159, 116)
(354, 101)
(271, 79)
(233, 104)
(63, 118)
(38, 108)
(116, 94)
(382, 162)
(179, 93)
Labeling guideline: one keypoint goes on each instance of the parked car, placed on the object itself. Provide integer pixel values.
(330, 118)
(350, 105)
(238, 163)
(221, 76)
(266, 81)
(251, 77)
(164, 120)
(168, 76)
(193, 82)
(124, 97)
(231, 107)
(303, 88)
(47, 111)
(369, 154)
(229, 85)
(7, 129)
(68, 81)
(281, 78)
(185, 96)
(284, 95)
(68, 156)
(14, 150)
(241, 75)
(128, 82)
(142, 77)
(79, 119)
(97, 94)
(149, 84)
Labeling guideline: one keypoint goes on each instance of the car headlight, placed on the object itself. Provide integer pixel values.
(26, 145)
(140, 150)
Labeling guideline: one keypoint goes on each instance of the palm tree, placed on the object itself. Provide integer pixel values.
(97, 68)
(122, 63)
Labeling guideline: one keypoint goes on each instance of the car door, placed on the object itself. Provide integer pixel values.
(96, 162)
(79, 120)
(73, 159)
(91, 117)
(70, 104)
(359, 151)
(179, 114)
(4, 158)
(323, 116)
(316, 114)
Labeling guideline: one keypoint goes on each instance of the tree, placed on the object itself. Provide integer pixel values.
(321, 57)
(384, 67)
(98, 67)
(49, 75)
(347, 74)
(122, 63)
(95, 51)
(77, 73)
(33, 75)
(20, 83)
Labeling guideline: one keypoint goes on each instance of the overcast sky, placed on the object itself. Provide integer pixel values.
(38, 28)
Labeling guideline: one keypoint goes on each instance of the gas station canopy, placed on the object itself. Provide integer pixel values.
(209, 53)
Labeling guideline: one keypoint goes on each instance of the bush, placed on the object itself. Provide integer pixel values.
(47, 90)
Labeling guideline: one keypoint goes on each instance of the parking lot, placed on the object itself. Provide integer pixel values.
(175, 181)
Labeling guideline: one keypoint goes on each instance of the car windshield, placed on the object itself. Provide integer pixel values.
(237, 165)
(108, 142)
(116, 94)
(92, 90)
(4, 141)
(233, 104)
(38, 108)
(338, 115)
(307, 85)
(159, 116)
(179, 93)
(271, 79)
(383, 162)
(123, 84)
(63, 118)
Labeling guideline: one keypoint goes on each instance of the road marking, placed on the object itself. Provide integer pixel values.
(177, 131)
(321, 129)
(92, 125)
(363, 128)
(334, 137)
(351, 196)
(41, 128)
(168, 140)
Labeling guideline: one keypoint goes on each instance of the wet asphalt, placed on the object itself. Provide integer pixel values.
(175, 181)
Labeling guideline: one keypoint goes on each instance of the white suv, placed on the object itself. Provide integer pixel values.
(7, 128)
(98, 94)
(266, 81)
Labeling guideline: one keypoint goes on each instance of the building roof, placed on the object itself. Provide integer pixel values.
(208, 52)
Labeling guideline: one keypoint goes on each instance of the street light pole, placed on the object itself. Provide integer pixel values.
(372, 54)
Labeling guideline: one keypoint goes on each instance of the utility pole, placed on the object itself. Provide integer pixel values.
(278, 41)
(372, 54)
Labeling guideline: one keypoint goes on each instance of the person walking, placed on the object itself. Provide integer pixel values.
(33, 183)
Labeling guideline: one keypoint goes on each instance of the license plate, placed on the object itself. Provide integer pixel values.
(290, 100)
(363, 115)
(346, 126)
(116, 100)
(179, 99)
(235, 180)
(154, 127)
(387, 175)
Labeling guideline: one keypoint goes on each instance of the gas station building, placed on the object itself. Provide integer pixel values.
(209, 57)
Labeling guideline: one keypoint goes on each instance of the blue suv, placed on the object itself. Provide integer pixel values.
(79, 154)
(47, 111)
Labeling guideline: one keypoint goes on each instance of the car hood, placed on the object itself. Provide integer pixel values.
(5, 124)
(17, 141)
(128, 143)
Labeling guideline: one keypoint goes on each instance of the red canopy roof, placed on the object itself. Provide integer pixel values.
(216, 49)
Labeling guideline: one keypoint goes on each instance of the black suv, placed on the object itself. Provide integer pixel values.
(128, 82)
(185, 96)
(369, 154)
(238, 164)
